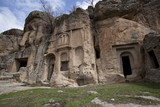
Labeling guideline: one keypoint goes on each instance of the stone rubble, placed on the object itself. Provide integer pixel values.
(97, 101)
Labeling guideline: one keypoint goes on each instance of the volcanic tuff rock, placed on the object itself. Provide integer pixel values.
(36, 24)
(98, 45)
(152, 57)
(9, 41)
(146, 12)
(149, 14)
(118, 36)
(78, 49)
(111, 8)
(16, 32)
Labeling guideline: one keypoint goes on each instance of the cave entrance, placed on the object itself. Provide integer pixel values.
(21, 62)
(50, 63)
(153, 59)
(97, 51)
(126, 66)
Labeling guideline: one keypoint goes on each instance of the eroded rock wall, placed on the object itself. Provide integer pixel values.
(9, 41)
(119, 32)
(120, 37)
(84, 47)
(152, 58)
(145, 12)
(26, 49)
(111, 8)
(149, 14)
(72, 37)
(9, 48)
(37, 32)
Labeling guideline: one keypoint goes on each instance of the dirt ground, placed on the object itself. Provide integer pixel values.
(6, 87)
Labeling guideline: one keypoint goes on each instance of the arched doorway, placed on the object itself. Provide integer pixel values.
(50, 65)
(127, 62)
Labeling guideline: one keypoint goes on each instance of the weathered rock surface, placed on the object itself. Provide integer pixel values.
(37, 32)
(30, 48)
(145, 12)
(102, 44)
(120, 37)
(9, 41)
(72, 38)
(111, 8)
(149, 14)
(59, 52)
(152, 57)
(15, 32)
(38, 25)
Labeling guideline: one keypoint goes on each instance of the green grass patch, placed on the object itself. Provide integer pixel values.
(78, 97)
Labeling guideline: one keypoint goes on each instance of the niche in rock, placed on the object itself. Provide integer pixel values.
(79, 54)
(21, 62)
(153, 59)
(97, 50)
(64, 62)
(50, 64)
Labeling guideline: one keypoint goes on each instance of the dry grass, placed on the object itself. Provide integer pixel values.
(77, 97)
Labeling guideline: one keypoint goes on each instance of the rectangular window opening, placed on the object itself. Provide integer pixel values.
(64, 65)
(21, 62)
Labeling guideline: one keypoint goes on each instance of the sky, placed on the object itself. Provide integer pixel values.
(14, 12)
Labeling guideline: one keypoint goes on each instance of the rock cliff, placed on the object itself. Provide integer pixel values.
(98, 45)
(145, 12)
(9, 41)
(152, 57)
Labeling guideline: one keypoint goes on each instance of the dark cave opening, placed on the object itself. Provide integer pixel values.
(64, 65)
(126, 66)
(21, 62)
(153, 59)
(97, 51)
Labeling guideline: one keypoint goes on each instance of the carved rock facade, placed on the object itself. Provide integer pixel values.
(82, 47)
